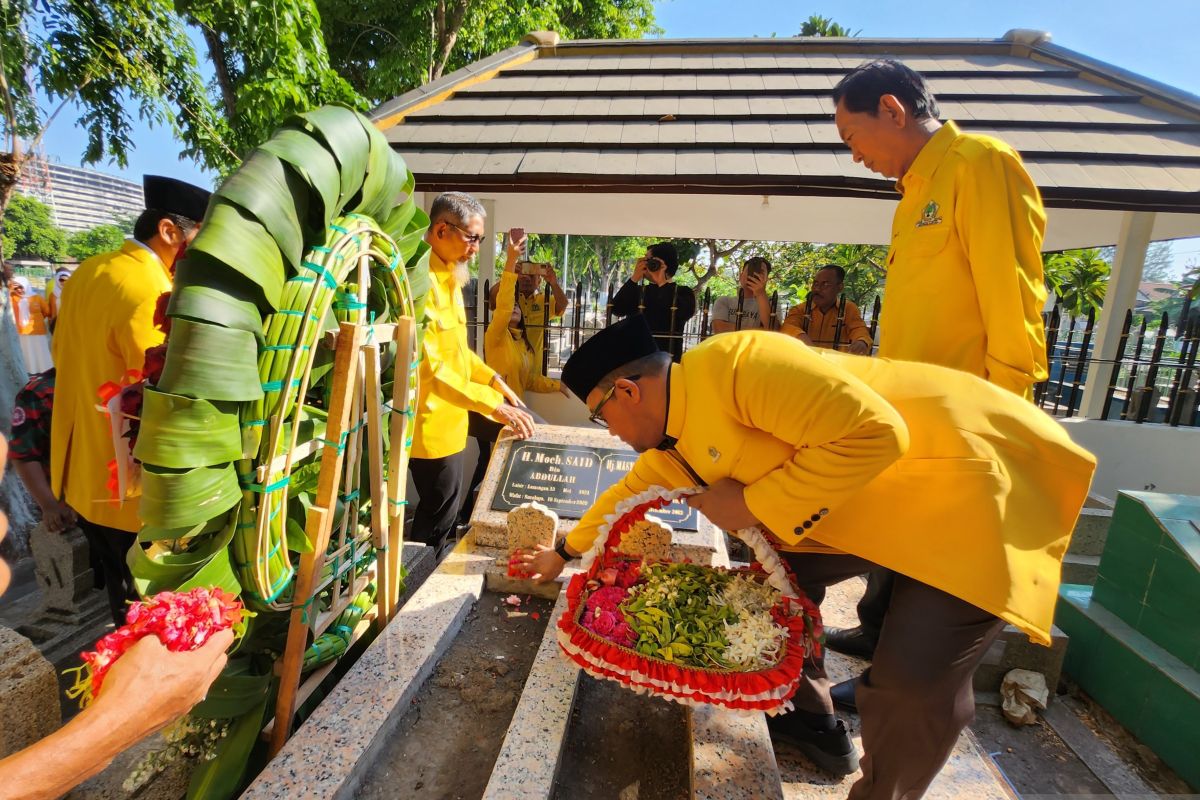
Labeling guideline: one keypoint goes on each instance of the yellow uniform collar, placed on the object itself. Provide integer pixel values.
(931, 155)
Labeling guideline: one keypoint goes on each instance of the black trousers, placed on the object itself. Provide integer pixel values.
(485, 432)
(109, 546)
(917, 696)
(438, 482)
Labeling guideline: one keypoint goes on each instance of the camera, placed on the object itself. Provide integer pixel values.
(533, 268)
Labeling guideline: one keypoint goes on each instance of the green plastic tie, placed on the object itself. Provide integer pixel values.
(325, 274)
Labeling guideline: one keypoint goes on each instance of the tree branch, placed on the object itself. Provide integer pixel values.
(216, 53)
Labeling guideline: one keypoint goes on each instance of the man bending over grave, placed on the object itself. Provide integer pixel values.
(964, 489)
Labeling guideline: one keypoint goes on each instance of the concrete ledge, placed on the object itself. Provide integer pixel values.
(732, 756)
(528, 760)
(1013, 650)
(328, 753)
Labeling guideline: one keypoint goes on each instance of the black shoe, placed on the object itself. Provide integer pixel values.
(831, 751)
(843, 695)
(857, 642)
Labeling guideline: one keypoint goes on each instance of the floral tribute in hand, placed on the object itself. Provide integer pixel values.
(182, 621)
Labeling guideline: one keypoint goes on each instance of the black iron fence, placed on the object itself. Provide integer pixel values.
(1151, 375)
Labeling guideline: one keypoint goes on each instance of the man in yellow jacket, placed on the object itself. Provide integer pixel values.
(965, 284)
(969, 493)
(103, 331)
(453, 379)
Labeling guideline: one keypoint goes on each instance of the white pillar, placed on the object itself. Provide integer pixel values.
(1136, 228)
(487, 268)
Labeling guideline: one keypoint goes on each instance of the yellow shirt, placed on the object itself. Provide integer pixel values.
(103, 332)
(533, 311)
(965, 287)
(453, 379)
(509, 356)
(822, 326)
(928, 471)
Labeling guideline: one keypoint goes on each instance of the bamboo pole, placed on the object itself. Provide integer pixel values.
(317, 529)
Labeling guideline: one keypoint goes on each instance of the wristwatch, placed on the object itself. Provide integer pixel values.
(561, 550)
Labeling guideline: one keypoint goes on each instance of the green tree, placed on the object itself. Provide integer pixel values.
(387, 47)
(112, 59)
(100, 239)
(270, 61)
(816, 25)
(1079, 278)
(30, 232)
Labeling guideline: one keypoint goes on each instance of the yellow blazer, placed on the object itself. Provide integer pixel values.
(925, 470)
(103, 332)
(453, 379)
(517, 364)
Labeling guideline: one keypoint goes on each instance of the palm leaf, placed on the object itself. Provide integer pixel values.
(262, 187)
(178, 498)
(238, 241)
(184, 432)
(211, 362)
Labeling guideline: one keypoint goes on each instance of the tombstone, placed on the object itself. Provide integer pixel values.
(62, 569)
(529, 525)
(649, 538)
(565, 469)
(28, 694)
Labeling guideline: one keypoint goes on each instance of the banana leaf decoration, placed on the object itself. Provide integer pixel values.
(274, 266)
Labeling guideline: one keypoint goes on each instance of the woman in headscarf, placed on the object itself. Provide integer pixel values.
(30, 312)
(60, 277)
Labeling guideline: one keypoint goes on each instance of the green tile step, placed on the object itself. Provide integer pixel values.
(1149, 572)
(1150, 691)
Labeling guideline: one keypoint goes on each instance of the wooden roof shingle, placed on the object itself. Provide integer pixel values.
(755, 116)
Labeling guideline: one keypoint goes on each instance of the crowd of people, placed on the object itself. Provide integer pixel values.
(889, 466)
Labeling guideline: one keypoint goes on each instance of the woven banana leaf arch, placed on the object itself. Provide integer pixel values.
(274, 445)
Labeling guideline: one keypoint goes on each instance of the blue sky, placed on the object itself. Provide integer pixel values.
(1155, 38)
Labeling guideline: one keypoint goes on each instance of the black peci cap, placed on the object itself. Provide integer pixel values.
(175, 197)
(613, 347)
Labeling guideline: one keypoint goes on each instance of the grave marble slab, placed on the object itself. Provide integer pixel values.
(325, 757)
(528, 759)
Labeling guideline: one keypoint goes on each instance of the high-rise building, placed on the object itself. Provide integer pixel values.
(80, 199)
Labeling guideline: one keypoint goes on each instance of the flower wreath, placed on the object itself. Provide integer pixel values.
(602, 644)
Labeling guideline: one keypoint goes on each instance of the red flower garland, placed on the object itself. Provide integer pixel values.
(182, 621)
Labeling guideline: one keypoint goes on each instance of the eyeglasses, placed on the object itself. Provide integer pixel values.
(468, 237)
(595, 415)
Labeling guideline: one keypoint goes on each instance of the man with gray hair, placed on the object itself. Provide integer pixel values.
(453, 379)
